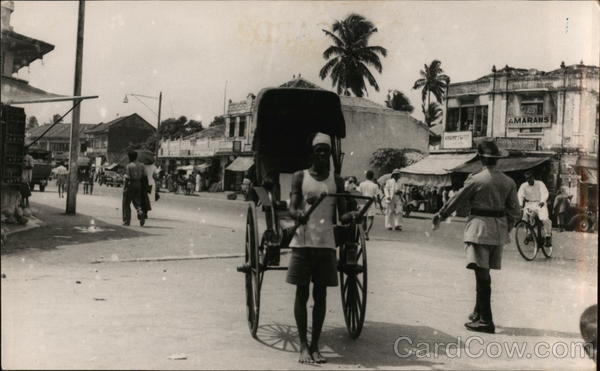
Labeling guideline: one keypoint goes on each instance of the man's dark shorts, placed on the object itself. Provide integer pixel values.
(318, 265)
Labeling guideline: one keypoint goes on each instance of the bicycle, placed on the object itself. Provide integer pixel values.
(529, 238)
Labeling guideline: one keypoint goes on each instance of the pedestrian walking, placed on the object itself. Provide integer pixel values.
(533, 194)
(198, 181)
(61, 173)
(132, 189)
(151, 173)
(492, 197)
(393, 202)
(313, 246)
(27, 172)
(369, 188)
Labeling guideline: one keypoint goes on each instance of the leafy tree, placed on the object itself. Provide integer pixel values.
(176, 128)
(432, 113)
(385, 160)
(218, 120)
(351, 56)
(432, 81)
(397, 101)
(32, 123)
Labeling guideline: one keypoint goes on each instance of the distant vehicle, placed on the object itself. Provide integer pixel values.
(580, 219)
(42, 167)
(112, 179)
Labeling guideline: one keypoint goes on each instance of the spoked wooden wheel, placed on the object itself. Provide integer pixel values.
(254, 273)
(353, 283)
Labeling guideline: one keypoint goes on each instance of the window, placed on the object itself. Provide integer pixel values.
(468, 118)
(532, 108)
(452, 119)
(242, 127)
(231, 128)
(59, 147)
(481, 119)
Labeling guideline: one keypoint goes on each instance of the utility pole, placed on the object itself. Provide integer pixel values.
(74, 144)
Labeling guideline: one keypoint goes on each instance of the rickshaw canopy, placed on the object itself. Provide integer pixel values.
(286, 119)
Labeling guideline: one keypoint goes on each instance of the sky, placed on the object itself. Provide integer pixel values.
(201, 53)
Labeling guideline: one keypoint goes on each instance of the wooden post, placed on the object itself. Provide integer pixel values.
(74, 144)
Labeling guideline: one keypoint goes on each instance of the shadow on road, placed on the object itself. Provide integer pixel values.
(378, 346)
(518, 331)
(60, 230)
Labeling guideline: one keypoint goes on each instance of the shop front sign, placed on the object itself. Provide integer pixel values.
(523, 122)
(520, 144)
(457, 139)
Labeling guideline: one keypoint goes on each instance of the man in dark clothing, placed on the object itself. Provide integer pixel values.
(492, 197)
(133, 188)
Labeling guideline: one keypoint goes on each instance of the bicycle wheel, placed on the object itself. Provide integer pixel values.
(546, 250)
(526, 240)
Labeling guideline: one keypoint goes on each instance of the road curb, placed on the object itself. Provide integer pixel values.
(31, 224)
(170, 258)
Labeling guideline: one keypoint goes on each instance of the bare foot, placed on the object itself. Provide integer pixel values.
(318, 357)
(305, 356)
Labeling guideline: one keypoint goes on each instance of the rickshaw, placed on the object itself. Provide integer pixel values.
(286, 119)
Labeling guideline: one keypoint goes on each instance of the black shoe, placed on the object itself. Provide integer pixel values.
(398, 228)
(142, 221)
(125, 223)
(481, 326)
(548, 242)
(474, 317)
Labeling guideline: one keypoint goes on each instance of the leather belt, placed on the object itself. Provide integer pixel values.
(489, 213)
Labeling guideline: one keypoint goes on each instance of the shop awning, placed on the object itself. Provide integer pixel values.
(112, 166)
(202, 167)
(16, 91)
(241, 164)
(434, 170)
(186, 167)
(505, 165)
(438, 164)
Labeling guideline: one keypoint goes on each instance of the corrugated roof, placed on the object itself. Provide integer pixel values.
(103, 126)
(60, 130)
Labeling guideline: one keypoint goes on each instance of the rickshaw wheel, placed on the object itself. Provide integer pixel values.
(253, 276)
(353, 285)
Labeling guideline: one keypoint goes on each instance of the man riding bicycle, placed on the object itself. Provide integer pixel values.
(533, 195)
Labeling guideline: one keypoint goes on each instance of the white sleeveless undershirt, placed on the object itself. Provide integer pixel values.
(318, 231)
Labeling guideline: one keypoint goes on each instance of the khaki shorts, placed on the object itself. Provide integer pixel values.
(483, 256)
(315, 264)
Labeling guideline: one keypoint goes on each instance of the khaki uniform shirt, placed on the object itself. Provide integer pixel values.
(490, 190)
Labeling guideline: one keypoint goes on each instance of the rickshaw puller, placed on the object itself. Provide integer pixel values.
(492, 197)
(313, 246)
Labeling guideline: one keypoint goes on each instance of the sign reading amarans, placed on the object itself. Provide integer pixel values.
(529, 122)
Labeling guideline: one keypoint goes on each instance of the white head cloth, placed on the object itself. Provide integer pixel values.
(321, 138)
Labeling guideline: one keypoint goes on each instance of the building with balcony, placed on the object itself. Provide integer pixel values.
(109, 141)
(532, 113)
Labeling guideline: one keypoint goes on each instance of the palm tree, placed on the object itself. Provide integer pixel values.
(397, 101)
(433, 113)
(432, 81)
(351, 56)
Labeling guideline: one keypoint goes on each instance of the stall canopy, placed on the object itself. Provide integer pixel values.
(505, 165)
(434, 170)
(241, 164)
(16, 91)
